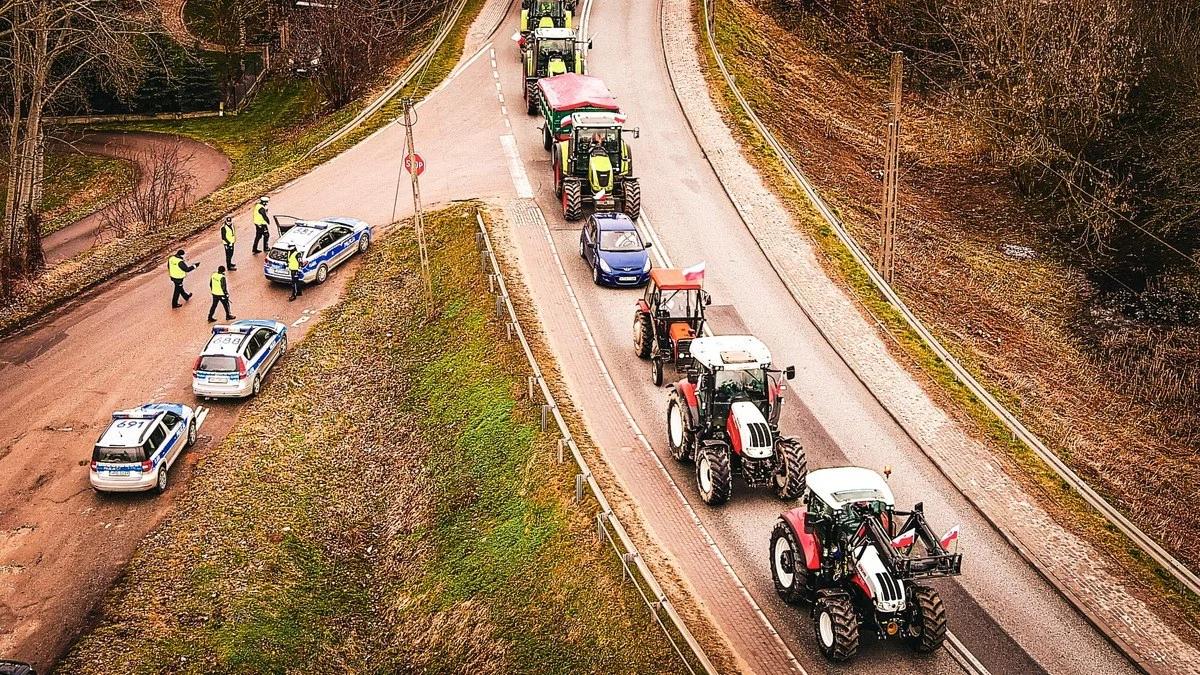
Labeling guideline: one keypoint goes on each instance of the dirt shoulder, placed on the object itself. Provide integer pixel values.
(387, 504)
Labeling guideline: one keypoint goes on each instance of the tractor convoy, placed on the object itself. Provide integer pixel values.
(843, 552)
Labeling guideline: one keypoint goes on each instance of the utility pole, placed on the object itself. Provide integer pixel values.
(411, 162)
(891, 171)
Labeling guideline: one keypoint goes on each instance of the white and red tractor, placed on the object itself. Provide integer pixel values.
(725, 416)
(847, 555)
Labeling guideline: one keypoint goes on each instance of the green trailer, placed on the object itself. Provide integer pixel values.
(563, 95)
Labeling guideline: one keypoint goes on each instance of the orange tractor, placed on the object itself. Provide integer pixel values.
(668, 318)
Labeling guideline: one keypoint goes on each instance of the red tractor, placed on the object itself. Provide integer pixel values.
(725, 416)
(847, 555)
(668, 318)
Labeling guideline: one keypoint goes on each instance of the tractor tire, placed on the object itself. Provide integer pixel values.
(558, 175)
(679, 434)
(532, 97)
(656, 373)
(789, 567)
(572, 200)
(714, 475)
(791, 469)
(643, 335)
(547, 138)
(926, 629)
(633, 198)
(836, 626)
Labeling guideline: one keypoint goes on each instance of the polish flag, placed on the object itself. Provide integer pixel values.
(567, 121)
(695, 272)
(950, 536)
(619, 119)
(905, 540)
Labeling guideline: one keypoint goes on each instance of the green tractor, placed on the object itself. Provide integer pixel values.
(549, 52)
(546, 14)
(594, 166)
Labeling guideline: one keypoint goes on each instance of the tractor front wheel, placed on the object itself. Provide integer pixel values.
(547, 138)
(789, 568)
(558, 176)
(836, 626)
(714, 475)
(633, 198)
(643, 335)
(927, 624)
(532, 97)
(572, 199)
(679, 434)
(791, 469)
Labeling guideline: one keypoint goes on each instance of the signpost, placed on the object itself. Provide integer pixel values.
(414, 160)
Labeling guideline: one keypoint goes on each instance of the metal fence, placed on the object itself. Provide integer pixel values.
(608, 527)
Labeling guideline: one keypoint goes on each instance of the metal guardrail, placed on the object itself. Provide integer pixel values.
(1145, 542)
(608, 526)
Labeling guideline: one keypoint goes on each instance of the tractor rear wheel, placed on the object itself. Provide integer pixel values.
(547, 138)
(714, 475)
(789, 567)
(791, 469)
(532, 97)
(572, 199)
(679, 434)
(836, 626)
(633, 198)
(643, 335)
(927, 624)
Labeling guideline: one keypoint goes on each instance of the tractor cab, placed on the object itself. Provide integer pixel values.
(546, 14)
(731, 370)
(669, 316)
(551, 51)
(596, 143)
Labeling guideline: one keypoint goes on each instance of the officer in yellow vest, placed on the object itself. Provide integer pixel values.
(178, 269)
(228, 236)
(294, 268)
(220, 294)
(260, 224)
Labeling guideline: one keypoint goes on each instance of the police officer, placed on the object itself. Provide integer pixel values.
(220, 294)
(295, 271)
(260, 224)
(178, 269)
(228, 236)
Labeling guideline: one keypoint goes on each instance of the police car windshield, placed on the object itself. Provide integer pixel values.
(118, 455)
(218, 364)
(620, 241)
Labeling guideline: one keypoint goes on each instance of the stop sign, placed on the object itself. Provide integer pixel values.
(414, 164)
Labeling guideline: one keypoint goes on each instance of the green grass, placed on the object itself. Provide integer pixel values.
(388, 504)
(735, 39)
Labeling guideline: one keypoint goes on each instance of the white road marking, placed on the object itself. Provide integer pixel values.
(495, 75)
(515, 168)
(201, 415)
(504, 111)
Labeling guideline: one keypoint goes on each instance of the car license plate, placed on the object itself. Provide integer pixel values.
(218, 379)
(119, 474)
(627, 278)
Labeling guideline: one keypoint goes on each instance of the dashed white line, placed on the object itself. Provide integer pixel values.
(515, 168)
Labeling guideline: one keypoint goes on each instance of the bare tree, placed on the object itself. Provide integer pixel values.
(50, 46)
(155, 198)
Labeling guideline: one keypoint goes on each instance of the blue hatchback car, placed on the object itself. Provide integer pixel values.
(613, 247)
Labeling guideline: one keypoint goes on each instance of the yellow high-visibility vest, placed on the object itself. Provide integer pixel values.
(227, 234)
(175, 267)
(260, 215)
(294, 261)
(216, 283)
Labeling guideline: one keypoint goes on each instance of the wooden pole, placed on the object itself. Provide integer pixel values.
(418, 212)
(891, 170)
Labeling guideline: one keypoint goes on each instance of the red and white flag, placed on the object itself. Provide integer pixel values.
(695, 272)
(566, 122)
(619, 118)
(949, 536)
(905, 540)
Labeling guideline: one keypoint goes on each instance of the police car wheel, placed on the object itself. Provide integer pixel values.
(257, 386)
(160, 486)
(191, 439)
(364, 243)
(322, 274)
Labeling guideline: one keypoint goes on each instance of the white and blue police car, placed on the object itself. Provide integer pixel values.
(139, 446)
(322, 244)
(237, 358)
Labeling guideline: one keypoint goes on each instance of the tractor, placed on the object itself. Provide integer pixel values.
(725, 416)
(548, 52)
(845, 553)
(669, 316)
(595, 166)
(546, 14)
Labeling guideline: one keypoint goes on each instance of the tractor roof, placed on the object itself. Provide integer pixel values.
(554, 34)
(572, 91)
(844, 485)
(591, 120)
(731, 352)
(670, 279)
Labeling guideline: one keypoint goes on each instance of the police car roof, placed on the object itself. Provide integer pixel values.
(129, 428)
(227, 340)
(305, 232)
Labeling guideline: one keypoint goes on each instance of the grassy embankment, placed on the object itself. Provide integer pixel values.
(266, 144)
(386, 505)
(76, 185)
(752, 51)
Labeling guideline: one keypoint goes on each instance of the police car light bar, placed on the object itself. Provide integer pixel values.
(136, 414)
(239, 330)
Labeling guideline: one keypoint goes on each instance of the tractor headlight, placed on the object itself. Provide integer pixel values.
(604, 266)
(646, 267)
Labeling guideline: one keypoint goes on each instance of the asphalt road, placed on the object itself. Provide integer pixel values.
(61, 545)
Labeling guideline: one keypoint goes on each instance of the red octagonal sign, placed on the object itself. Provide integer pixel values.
(414, 163)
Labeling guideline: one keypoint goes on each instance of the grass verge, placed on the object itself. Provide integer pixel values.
(77, 185)
(266, 144)
(386, 505)
(733, 34)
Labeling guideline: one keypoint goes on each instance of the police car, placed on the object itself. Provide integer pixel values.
(322, 244)
(237, 358)
(139, 446)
